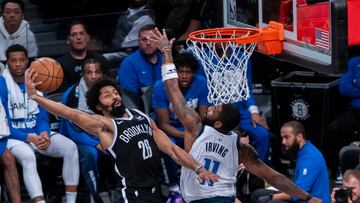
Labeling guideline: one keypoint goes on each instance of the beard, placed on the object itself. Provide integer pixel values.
(208, 122)
(117, 111)
(291, 153)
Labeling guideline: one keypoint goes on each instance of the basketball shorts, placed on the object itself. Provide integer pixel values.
(141, 195)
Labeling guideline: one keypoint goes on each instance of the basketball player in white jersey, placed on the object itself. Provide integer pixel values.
(214, 144)
(131, 138)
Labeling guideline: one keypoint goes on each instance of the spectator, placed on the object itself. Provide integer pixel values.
(30, 130)
(310, 171)
(195, 92)
(14, 29)
(7, 160)
(89, 147)
(77, 39)
(203, 15)
(140, 70)
(344, 129)
(172, 15)
(351, 184)
(129, 24)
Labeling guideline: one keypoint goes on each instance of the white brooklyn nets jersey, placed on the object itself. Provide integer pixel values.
(218, 153)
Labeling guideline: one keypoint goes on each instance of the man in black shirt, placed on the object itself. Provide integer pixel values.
(130, 137)
(77, 39)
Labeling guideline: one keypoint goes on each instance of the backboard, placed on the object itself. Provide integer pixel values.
(316, 34)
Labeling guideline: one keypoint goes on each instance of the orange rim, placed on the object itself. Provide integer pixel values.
(238, 35)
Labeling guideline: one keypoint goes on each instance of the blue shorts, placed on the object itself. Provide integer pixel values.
(3, 143)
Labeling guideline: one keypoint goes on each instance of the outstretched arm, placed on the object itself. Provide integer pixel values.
(187, 116)
(93, 124)
(254, 165)
(179, 155)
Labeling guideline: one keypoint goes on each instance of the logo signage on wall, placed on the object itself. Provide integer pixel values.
(300, 109)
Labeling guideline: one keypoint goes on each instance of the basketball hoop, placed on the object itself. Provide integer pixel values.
(224, 54)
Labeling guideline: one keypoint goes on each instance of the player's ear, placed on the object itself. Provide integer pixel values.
(99, 107)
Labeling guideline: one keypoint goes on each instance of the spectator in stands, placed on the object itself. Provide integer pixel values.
(172, 15)
(77, 39)
(345, 128)
(310, 171)
(140, 70)
(129, 24)
(89, 147)
(30, 130)
(14, 29)
(203, 15)
(7, 159)
(195, 92)
(351, 184)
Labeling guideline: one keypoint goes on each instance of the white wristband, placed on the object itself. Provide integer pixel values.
(168, 71)
(253, 109)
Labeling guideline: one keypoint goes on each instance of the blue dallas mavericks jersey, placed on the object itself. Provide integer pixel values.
(195, 96)
(219, 154)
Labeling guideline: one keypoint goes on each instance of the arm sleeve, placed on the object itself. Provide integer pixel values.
(42, 122)
(307, 175)
(127, 77)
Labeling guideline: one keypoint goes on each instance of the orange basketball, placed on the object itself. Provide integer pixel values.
(49, 72)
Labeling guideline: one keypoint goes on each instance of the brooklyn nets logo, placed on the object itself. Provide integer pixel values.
(300, 109)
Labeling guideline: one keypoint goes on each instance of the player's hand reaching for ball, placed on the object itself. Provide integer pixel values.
(205, 175)
(30, 85)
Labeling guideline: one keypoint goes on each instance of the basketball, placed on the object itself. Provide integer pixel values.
(49, 72)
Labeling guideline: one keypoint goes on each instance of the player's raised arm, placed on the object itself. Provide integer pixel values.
(254, 165)
(93, 124)
(188, 116)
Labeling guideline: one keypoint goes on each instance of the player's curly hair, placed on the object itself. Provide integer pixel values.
(92, 95)
(229, 117)
(186, 59)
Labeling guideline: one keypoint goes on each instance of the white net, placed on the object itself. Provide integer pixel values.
(225, 67)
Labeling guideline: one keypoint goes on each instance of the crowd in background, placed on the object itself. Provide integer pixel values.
(127, 55)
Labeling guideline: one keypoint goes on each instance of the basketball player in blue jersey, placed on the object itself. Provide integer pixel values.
(214, 144)
(130, 137)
